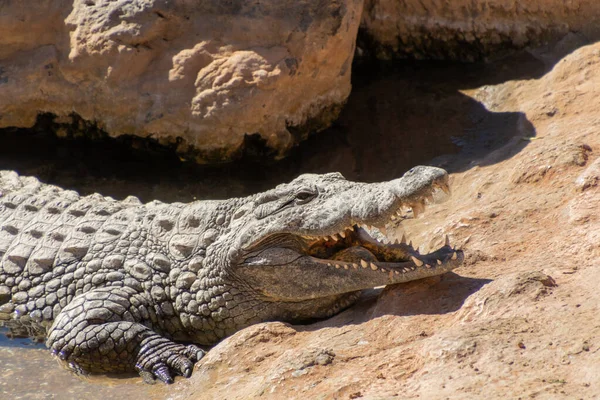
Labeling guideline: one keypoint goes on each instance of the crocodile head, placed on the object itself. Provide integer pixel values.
(313, 238)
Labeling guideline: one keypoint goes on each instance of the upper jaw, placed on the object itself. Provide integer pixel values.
(404, 204)
(398, 257)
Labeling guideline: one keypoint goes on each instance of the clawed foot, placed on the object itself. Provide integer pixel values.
(163, 362)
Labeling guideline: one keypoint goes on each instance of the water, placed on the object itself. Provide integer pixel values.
(28, 371)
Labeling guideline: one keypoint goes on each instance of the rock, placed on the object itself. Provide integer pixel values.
(495, 328)
(590, 177)
(197, 76)
(470, 30)
(496, 298)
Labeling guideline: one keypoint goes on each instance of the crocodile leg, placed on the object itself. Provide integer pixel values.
(104, 330)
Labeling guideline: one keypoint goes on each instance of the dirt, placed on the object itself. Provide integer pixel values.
(519, 320)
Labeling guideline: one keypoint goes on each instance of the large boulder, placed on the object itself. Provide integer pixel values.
(469, 30)
(200, 76)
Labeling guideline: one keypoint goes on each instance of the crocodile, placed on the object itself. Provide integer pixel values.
(118, 285)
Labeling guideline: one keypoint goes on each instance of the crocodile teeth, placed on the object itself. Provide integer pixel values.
(427, 266)
(337, 266)
(396, 241)
(364, 264)
(373, 267)
(343, 234)
(393, 217)
(383, 230)
(403, 240)
(329, 265)
(438, 262)
(454, 256)
(417, 209)
(447, 241)
(417, 262)
(445, 189)
(346, 266)
(355, 266)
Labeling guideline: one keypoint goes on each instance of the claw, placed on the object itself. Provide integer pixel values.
(183, 366)
(161, 372)
(199, 353)
(187, 372)
(175, 361)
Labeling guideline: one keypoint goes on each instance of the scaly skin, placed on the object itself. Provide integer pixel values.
(117, 285)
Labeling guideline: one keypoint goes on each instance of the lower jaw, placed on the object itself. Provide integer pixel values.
(358, 257)
(308, 311)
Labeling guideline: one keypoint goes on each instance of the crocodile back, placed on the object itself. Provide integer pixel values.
(45, 233)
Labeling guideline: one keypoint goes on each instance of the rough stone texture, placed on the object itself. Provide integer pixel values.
(495, 329)
(471, 29)
(195, 75)
(519, 320)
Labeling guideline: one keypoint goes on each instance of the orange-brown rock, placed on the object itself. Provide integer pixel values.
(198, 75)
(519, 319)
(472, 29)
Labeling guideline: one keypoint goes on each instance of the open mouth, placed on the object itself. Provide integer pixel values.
(359, 247)
(354, 248)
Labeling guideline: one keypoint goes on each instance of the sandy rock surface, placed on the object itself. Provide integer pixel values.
(472, 29)
(197, 76)
(519, 320)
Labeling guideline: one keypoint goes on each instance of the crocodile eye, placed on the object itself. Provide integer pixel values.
(304, 197)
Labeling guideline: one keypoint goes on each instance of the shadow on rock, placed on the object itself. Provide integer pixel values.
(399, 115)
(402, 114)
(437, 295)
